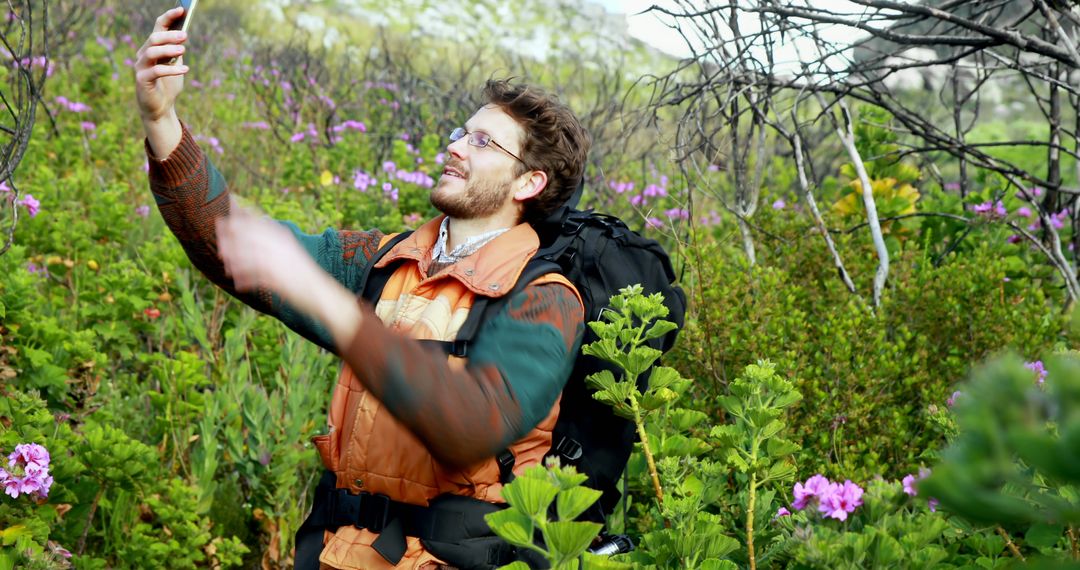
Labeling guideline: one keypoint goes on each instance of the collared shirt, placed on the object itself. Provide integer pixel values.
(442, 258)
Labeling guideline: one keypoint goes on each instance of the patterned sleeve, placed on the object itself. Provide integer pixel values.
(191, 195)
(518, 366)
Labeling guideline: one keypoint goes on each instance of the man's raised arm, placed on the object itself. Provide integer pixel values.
(193, 196)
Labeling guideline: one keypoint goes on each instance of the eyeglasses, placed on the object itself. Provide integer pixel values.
(480, 140)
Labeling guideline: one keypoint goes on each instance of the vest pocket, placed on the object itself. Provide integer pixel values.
(326, 448)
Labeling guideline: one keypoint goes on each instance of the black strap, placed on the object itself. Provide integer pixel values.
(391, 520)
(506, 461)
(374, 279)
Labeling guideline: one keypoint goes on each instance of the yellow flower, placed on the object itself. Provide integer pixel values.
(327, 178)
(93, 265)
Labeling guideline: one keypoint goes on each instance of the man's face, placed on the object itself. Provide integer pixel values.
(478, 182)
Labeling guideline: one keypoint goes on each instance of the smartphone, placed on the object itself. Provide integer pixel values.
(182, 22)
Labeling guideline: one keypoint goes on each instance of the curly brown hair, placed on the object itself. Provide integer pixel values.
(555, 142)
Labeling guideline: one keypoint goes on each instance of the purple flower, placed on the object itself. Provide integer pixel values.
(910, 480)
(1039, 369)
(714, 168)
(1058, 220)
(654, 223)
(952, 399)
(1015, 238)
(678, 213)
(933, 504)
(991, 209)
(440, 158)
(31, 204)
(637, 200)
(298, 137)
(783, 512)
(653, 190)
(909, 485)
(779, 204)
(389, 166)
(29, 453)
(88, 126)
(1023, 212)
(28, 471)
(952, 186)
(362, 180)
(142, 211)
(815, 488)
(841, 501)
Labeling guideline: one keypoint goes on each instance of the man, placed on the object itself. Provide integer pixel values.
(405, 421)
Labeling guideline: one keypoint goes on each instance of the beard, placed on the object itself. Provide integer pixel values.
(479, 199)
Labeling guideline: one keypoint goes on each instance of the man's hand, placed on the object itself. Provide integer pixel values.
(157, 84)
(261, 253)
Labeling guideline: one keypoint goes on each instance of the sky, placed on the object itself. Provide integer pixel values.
(650, 29)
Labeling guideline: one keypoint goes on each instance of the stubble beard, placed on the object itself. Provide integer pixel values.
(479, 199)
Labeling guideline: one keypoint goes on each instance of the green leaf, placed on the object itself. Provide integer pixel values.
(659, 329)
(605, 349)
(531, 496)
(682, 419)
(717, 564)
(1042, 535)
(519, 565)
(663, 377)
(780, 447)
(572, 502)
(595, 562)
(640, 359)
(656, 399)
(771, 429)
(568, 539)
(780, 471)
(511, 525)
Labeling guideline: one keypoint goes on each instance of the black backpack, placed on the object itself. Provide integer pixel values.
(599, 254)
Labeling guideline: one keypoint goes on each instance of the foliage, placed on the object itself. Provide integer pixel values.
(1013, 463)
(178, 420)
(533, 498)
(872, 384)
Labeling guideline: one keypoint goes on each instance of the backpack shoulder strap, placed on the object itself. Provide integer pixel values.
(374, 279)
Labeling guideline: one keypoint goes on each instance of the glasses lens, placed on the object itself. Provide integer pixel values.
(457, 134)
(479, 139)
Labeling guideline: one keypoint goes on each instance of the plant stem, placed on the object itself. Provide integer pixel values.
(1075, 546)
(1008, 542)
(648, 452)
(89, 520)
(750, 521)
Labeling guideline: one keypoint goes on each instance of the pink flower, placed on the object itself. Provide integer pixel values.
(783, 512)
(88, 126)
(933, 504)
(152, 312)
(1039, 369)
(842, 501)
(29, 453)
(909, 485)
(1023, 212)
(952, 399)
(298, 137)
(29, 472)
(816, 487)
(779, 204)
(653, 222)
(440, 158)
(142, 211)
(910, 481)
(31, 204)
